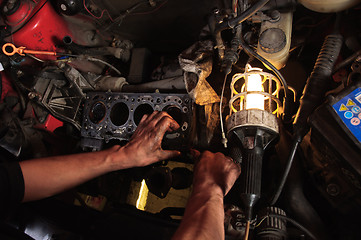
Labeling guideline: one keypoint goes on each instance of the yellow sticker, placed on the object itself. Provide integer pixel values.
(350, 103)
(343, 108)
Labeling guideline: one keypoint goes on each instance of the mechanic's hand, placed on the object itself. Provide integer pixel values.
(214, 169)
(144, 147)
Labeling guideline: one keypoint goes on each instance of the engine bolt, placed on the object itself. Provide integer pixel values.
(333, 189)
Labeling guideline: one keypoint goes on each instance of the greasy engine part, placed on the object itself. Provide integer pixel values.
(60, 96)
(11, 135)
(335, 164)
(197, 62)
(115, 116)
(69, 7)
(159, 180)
(122, 52)
(271, 228)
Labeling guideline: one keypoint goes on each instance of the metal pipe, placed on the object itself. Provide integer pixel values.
(176, 83)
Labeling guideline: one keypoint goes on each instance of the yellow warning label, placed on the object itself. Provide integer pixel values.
(350, 103)
(343, 108)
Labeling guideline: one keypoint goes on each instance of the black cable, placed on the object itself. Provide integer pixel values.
(27, 20)
(295, 223)
(118, 20)
(250, 51)
(242, 17)
(291, 157)
(347, 61)
(20, 88)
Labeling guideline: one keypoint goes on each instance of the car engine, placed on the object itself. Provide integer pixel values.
(274, 84)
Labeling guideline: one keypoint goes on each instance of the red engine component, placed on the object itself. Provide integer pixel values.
(50, 124)
(7, 89)
(36, 26)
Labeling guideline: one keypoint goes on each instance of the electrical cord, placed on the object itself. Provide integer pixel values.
(246, 234)
(129, 11)
(242, 17)
(295, 223)
(291, 157)
(101, 15)
(250, 51)
(346, 62)
(152, 11)
(92, 59)
(224, 139)
(35, 58)
(260, 222)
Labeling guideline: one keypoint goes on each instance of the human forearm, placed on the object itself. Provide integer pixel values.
(214, 175)
(204, 215)
(48, 176)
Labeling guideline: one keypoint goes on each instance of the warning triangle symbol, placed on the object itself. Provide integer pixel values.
(343, 108)
(350, 103)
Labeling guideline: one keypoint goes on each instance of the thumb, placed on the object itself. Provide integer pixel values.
(165, 154)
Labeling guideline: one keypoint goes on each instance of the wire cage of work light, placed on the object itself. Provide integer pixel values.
(255, 89)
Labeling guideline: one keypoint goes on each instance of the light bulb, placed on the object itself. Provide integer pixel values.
(254, 100)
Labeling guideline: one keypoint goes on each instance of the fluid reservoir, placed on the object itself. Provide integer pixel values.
(329, 5)
(275, 38)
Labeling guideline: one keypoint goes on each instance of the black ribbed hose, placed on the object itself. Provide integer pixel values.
(317, 84)
(313, 95)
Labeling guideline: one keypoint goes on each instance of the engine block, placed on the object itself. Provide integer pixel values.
(115, 116)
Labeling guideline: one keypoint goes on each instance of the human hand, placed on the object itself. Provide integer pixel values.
(214, 169)
(144, 147)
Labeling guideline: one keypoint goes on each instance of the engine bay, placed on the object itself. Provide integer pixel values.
(275, 84)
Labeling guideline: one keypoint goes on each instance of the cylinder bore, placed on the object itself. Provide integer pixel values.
(175, 112)
(97, 112)
(140, 111)
(119, 114)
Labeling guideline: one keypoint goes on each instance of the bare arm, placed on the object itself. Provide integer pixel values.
(48, 176)
(214, 175)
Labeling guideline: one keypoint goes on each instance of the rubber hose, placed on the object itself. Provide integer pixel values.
(317, 84)
(242, 17)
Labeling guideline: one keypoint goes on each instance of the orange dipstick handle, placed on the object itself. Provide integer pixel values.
(21, 50)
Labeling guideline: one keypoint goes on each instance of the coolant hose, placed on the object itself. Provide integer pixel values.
(317, 84)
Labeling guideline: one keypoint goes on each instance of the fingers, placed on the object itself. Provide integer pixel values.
(156, 116)
(162, 118)
(145, 116)
(195, 153)
(166, 124)
(166, 154)
(157, 119)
